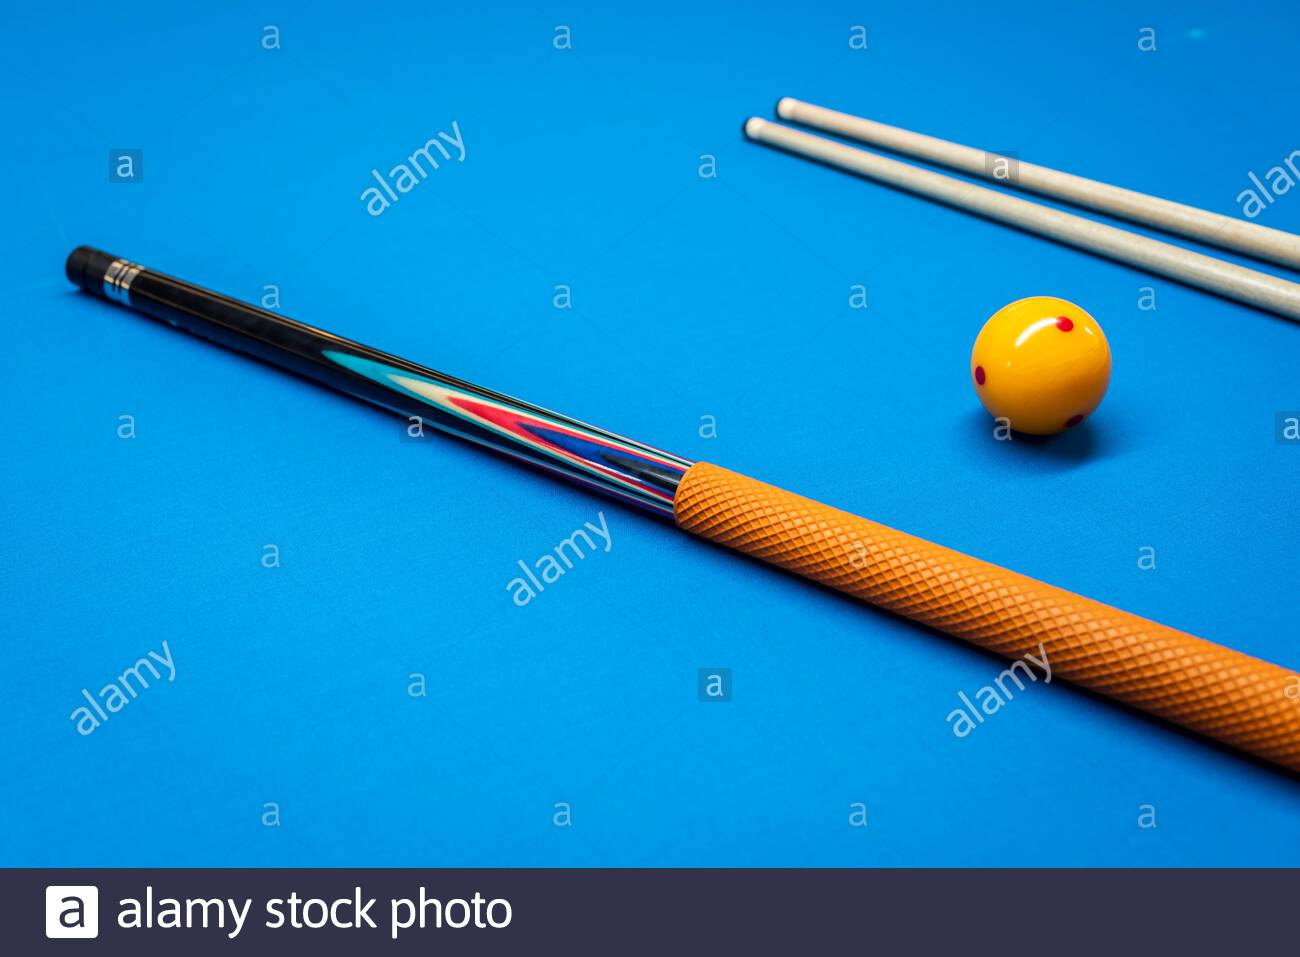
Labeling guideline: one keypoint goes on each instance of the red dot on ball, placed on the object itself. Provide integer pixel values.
(1065, 323)
(1073, 420)
(979, 374)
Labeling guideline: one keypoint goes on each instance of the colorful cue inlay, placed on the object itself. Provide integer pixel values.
(592, 456)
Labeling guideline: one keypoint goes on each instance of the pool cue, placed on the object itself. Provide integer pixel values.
(1215, 229)
(1195, 269)
(1224, 694)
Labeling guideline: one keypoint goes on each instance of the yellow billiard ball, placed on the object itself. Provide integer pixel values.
(1042, 364)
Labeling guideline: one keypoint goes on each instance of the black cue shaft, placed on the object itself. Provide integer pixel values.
(583, 453)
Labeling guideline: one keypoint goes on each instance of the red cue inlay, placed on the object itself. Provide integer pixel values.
(517, 424)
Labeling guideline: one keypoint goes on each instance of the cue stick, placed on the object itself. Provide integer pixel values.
(1195, 269)
(1226, 232)
(1224, 694)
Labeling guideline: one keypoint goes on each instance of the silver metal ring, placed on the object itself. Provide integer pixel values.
(117, 280)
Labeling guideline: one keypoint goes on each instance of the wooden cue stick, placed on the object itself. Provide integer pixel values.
(1226, 232)
(1227, 279)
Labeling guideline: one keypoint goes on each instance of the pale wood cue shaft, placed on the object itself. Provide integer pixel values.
(1227, 279)
(1251, 239)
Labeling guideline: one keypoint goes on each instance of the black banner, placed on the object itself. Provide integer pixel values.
(170, 911)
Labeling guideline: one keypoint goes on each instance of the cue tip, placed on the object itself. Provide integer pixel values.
(85, 266)
(753, 126)
(785, 107)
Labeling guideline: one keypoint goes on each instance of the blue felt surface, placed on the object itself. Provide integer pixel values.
(724, 297)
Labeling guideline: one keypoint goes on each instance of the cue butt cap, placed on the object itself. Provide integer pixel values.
(86, 266)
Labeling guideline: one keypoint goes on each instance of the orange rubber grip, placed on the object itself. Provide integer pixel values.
(1239, 700)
